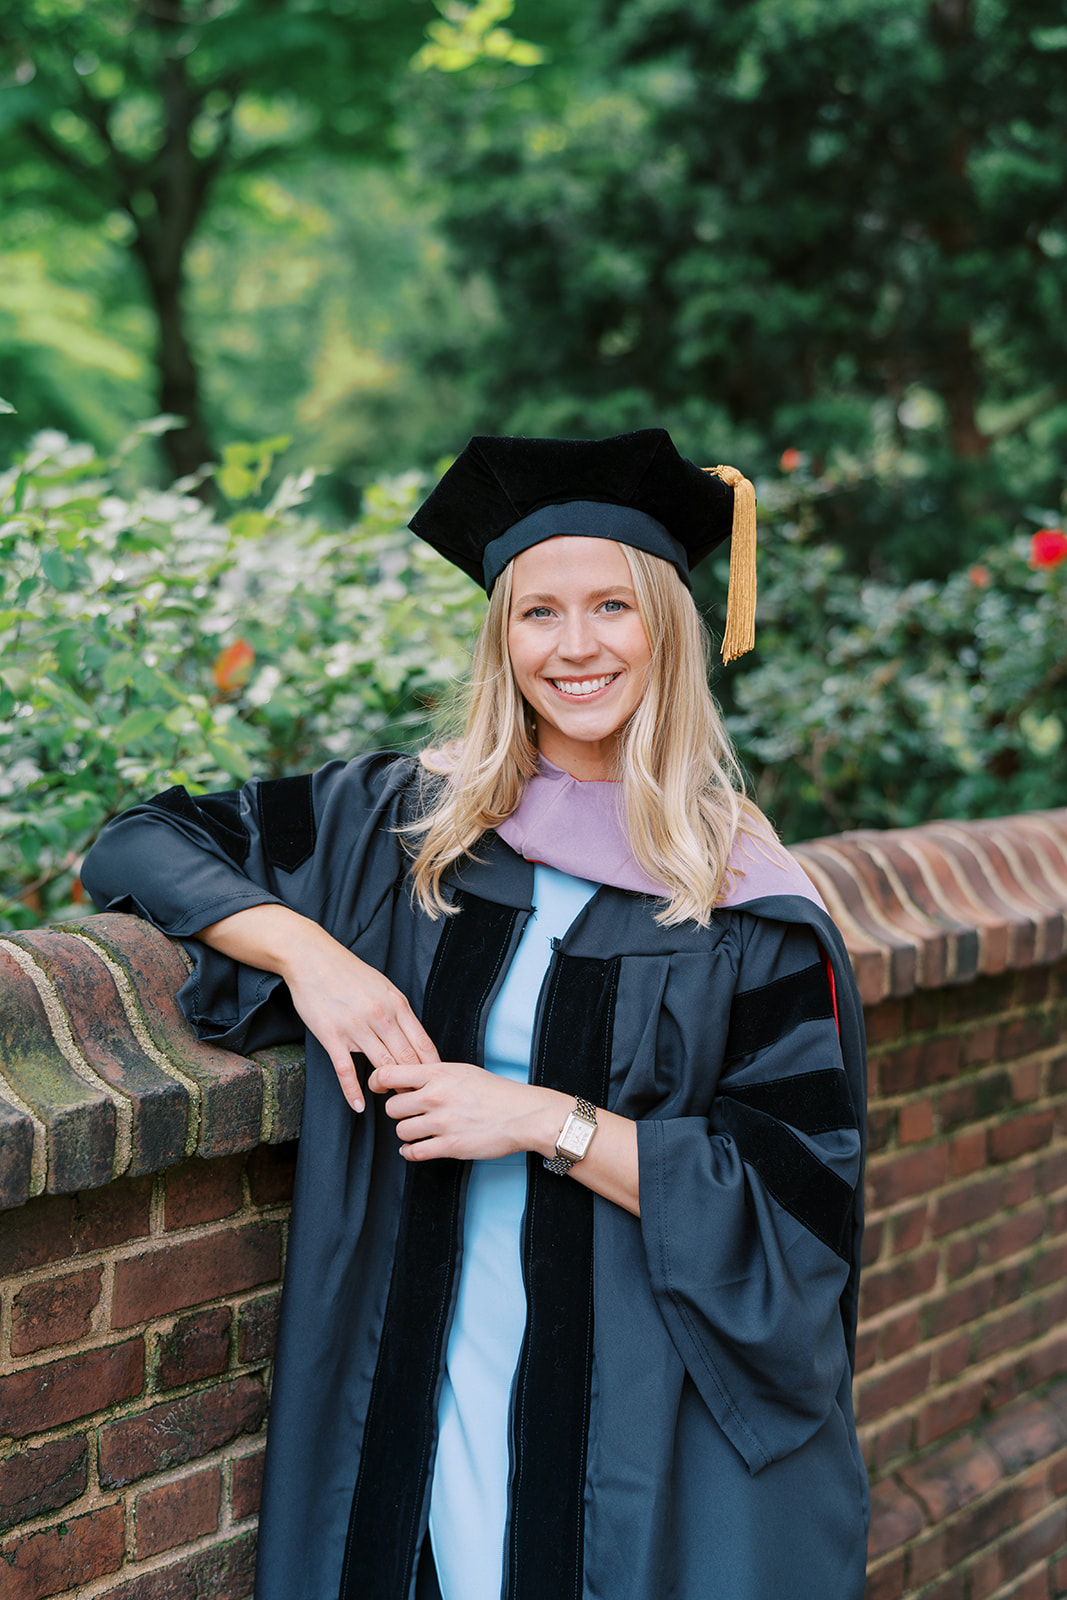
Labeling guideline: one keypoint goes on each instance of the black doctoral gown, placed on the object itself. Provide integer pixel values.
(681, 1421)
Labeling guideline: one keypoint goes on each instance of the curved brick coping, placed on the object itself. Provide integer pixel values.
(101, 1075)
(947, 902)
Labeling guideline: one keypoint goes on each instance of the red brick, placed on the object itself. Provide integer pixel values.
(980, 1046)
(1020, 1037)
(1010, 1283)
(899, 1334)
(1026, 1433)
(178, 1275)
(891, 1286)
(952, 1358)
(958, 1306)
(915, 1122)
(42, 1479)
(890, 1442)
(909, 1227)
(177, 1513)
(247, 1483)
(897, 1386)
(885, 1021)
(113, 1215)
(197, 1347)
(1016, 1233)
(952, 1477)
(961, 1257)
(65, 1557)
(926, 1559)
(203, 1191)
(1026, 1081)
(221, 1572)
(881, 1122)
(1059, 1576)
(924, 1011)
(1050, 1266)
(983, 1576)
(1020, 1185)
(1048, 1361)
(866, 1348)
(1006, 1332)
(258, 1328)
(886, 1580)
(57, 1311)
(45, 1397)
(899, 1177)
(177, 1431)
(1032, 1131)
(896, 1517)
(965, 1205)
(37, 1233)
(1032, 986)
(271, 1173)
(948, 1412)
(873, 1237)
(1052, 1172)
(953, 1587)
(981, 1525)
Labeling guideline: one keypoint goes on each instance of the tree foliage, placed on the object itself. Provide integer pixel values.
(838, 225)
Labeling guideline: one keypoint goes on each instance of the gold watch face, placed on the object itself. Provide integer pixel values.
(575, 1137)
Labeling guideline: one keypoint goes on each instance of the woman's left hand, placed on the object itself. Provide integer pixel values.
(451, 1108)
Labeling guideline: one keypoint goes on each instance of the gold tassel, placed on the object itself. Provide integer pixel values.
(740, 634)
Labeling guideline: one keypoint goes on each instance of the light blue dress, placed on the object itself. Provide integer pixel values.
(469, 1496)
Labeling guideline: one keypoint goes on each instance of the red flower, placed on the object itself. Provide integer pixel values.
(791, 460)
(979, 576)
(233, 666)
(1048, 547)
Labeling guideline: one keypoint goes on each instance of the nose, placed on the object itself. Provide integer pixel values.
(577, 638)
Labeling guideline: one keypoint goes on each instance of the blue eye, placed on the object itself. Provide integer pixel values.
(615, 606)
(537, 611)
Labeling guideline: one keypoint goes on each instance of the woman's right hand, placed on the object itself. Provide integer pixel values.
(350, 1007)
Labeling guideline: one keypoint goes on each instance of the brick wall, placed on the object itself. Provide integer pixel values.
(144, 1183)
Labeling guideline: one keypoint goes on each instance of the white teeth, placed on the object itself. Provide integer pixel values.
(585, 686)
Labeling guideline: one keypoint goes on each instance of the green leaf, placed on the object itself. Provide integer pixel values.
(6, 408)
(136, 726)
(55, 569)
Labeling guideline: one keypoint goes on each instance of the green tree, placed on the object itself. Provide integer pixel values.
(838, 225)
(129, 117)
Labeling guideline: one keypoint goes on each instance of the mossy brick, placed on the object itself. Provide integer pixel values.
(221, 1572)
(230, 1087)
(16, 1154)
(37, 1399)
(953, 1477)
(56, 1227)
(887, 1580)
(160, 1104)
(246, 1485)
(65, 1558)
(177, 1513)
(173, 1276)
(197, 1347)
(257, 1328)
(42, 1478)
(283, 1071)
(203, 1191)
(55, 1311)
(79, 1119)
(176, 1431)
(896, 1518)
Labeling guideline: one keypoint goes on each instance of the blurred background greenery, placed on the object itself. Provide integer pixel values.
(825, 240)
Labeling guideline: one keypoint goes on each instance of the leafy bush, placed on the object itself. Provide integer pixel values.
(145, 641)
(872, 705)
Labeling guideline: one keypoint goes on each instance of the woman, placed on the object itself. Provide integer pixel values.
(579, 1325)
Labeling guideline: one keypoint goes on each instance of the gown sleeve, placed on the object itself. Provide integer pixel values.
(748, 1213)
(321, 844)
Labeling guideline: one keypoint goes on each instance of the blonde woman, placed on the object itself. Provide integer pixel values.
(571, 1286)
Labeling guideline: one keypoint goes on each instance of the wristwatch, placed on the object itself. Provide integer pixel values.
(575, 1137)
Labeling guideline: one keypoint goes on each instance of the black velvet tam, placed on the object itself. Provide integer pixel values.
(503, 495)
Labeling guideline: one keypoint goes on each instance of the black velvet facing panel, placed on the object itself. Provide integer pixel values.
(387, 1521)
(551, 1410)
(798, 1180)
(219, 814)
(814, 1102)
(758, 1017)
(288, 818)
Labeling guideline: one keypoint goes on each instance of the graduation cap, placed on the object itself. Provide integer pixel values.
(502, 495)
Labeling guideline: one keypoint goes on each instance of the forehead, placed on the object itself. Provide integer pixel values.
(571, 562)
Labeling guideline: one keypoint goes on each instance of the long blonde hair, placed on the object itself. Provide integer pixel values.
(682, 787)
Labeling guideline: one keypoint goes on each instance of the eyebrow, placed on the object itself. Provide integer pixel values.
(612, 591)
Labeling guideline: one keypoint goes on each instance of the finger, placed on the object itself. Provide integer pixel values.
(344, 1064)
(395, 1076)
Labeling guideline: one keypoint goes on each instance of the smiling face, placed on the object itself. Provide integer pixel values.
(578, 649)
